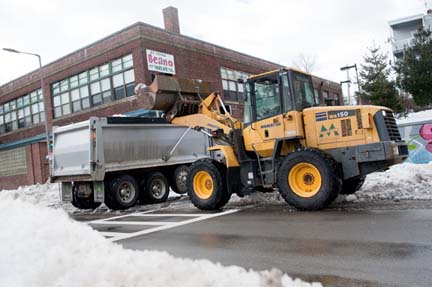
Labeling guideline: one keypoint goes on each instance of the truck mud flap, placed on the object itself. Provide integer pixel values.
(66, 192)
(98, 191)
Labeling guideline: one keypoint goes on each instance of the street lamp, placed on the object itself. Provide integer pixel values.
(348, 82)
(44, 101)
(347, 68)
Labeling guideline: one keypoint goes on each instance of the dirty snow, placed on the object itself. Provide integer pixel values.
(400, 182)
(42, 246)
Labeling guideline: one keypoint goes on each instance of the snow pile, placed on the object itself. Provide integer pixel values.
(400, 182)
(47, 194)
(43, 247)
(416, 117)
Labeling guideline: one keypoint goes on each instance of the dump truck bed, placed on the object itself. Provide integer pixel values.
(90, 149)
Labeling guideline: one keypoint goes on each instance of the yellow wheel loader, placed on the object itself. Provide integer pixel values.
(309, 153)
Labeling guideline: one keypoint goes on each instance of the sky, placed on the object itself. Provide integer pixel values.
(335, 32)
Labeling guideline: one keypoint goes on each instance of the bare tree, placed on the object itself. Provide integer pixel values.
(305, 62)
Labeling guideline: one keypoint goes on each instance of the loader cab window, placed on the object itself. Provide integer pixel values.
(267, 97)
(303, 91)
(286, 93)
(247, 116)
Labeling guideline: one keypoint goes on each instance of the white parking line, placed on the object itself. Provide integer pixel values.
(134, 222)
(160, 225)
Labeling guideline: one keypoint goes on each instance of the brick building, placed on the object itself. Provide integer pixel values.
(99, 80)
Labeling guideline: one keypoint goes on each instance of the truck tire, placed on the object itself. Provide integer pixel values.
(206, 185)
(350, 186)
(155, 188)
(83, 202)
(308, 179)
(122, 193)
(179, 179)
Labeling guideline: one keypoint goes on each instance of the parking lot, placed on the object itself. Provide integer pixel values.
(382, 243)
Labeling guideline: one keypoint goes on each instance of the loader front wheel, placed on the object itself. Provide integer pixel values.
(206, 185)
(308, 179)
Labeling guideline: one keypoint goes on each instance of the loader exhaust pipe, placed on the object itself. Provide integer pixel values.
(173, 96)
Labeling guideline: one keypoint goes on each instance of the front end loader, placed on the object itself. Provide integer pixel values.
(309, 153)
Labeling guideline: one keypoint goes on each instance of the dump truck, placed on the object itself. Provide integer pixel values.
(309, 153)
(122, 160)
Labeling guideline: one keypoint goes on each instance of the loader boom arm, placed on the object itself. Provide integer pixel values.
(181, 101)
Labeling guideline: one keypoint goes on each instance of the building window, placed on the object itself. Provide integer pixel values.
(232, 90)
(97, 86)
(22, 112)
(325, 95)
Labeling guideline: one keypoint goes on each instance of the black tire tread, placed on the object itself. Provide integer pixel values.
(173, 183)
(145, 196)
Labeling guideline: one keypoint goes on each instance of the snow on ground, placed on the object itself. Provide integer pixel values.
(42, 246)
(405, 181)
(400, 182)
(416, 117)
(48, 194)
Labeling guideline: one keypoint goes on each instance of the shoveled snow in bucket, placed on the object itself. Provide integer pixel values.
(43, 247)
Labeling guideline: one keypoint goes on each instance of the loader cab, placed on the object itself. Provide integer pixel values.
(277, 92)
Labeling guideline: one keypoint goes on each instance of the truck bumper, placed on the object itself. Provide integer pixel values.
(364, 159)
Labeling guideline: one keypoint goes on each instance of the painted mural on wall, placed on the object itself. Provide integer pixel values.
(419, 139)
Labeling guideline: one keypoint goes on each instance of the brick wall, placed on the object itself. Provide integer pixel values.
(36, 168)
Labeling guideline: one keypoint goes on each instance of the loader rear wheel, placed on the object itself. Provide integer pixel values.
(122, 193)
(179, 179)
(308, 179)
(350, 186)
(206, 185)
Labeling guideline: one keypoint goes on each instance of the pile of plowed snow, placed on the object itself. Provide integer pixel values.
(401, 182)
(42, 247)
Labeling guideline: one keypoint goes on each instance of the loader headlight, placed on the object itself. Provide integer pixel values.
(384, 113)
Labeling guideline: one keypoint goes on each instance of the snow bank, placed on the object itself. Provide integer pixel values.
(403, 181)
(416, 117)
(42, 246)
(47, 194)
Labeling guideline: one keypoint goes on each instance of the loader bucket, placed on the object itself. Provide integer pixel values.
(178, 97)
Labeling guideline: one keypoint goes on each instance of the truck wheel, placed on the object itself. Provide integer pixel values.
(155, 188)
(206, 186)
(308, 179)
(83, 202)
(122, 193)
(350, 186)
(179, 179)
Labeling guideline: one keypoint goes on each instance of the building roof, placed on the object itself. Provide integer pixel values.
(405, 20)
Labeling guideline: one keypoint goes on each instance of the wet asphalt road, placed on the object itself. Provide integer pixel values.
(386, 244)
